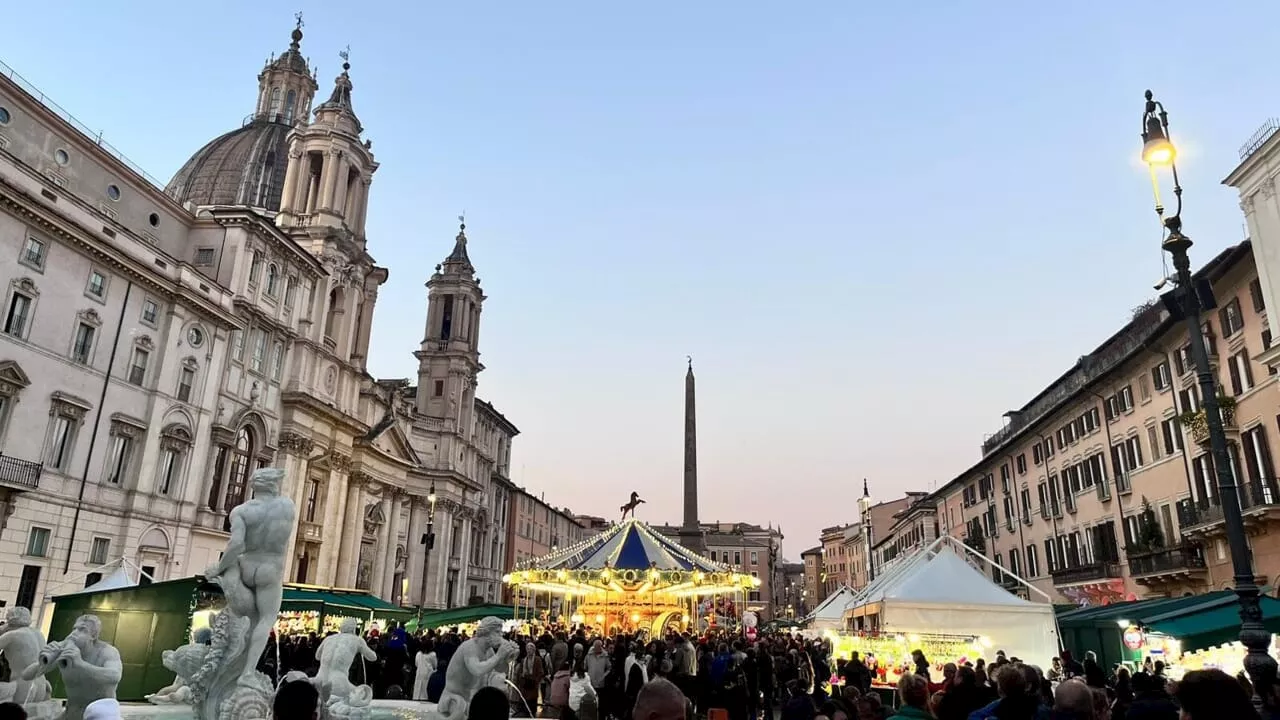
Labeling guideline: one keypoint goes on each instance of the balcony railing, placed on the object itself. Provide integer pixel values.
(1254, 496)
(19, 473)
(1198, 427)
(1086, 572)
(1167, 560)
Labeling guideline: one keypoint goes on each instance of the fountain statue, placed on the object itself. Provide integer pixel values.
(90, 668)
(475, 664)
(184, 662)
(338, 696)
(223, 677)
(20, 643)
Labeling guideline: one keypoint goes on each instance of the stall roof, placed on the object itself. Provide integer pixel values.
(302, 597)
(832, 608)
(1139, 611)
(462, 615)
(1213, 621)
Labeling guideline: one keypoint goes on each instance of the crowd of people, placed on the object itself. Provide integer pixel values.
(577, 676)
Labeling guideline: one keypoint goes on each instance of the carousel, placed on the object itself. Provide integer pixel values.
(631, 578)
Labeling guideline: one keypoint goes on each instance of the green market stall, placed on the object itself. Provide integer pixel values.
(142, 621)
(321, 610)
(432, 619)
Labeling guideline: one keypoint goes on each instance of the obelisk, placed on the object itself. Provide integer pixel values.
(690, 531)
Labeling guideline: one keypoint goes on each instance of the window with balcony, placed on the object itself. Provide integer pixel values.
(1230, 318)
(82, 347)
(17, 320)
(1241, 372)
(1160, 377)
(1189, 399)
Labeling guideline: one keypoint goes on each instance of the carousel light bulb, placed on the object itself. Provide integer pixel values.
(635, 617)
(599, 619)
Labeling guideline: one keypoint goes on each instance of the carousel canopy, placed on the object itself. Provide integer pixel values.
(631, 545)
(629, 557)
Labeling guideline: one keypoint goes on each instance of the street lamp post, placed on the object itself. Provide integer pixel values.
(1159, 151)
(428, 538)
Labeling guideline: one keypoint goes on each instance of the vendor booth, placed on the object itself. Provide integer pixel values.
(461, 618)
(829, 615)
(1186, 633)
(143, 620)
(937, 591)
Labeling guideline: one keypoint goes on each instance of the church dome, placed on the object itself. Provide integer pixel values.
(243, 167)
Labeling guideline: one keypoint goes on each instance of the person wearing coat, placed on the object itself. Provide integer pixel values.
(425, 664)
(530, 671)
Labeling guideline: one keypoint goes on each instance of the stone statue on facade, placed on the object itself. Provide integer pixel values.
(475, 664)
(184, 662)
(223, 678)
(90, 668)
(21, 644)
(338, 696)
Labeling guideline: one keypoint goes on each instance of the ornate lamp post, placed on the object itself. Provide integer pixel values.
(1158, 152)
(428, 538)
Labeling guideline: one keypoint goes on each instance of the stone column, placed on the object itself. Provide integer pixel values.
(362, 203)
(343, 569)
(393, 539)
(291, 173)
(413, 551)
(380, 568)
(296, 449)
(340, 186)
(329, 179)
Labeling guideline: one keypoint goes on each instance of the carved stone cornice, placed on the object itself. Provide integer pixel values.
(295, 444)
(340, 462)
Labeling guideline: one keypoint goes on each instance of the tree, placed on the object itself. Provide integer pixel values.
(1150, 537)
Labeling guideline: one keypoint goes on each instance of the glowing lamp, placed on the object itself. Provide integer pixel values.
(599, 619)
(635, 617)
(1156, 147)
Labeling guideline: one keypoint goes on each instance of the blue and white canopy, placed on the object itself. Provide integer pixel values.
(631, 545)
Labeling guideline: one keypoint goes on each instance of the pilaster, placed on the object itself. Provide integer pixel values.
(341, 564)
(389, 549)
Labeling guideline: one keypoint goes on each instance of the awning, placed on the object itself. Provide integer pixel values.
(463, 615)
(333, 601)
(1212, 622)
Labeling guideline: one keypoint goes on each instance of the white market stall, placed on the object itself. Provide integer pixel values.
(829, 615)
(937, 590)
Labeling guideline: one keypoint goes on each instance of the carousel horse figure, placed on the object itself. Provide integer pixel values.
(631, 506)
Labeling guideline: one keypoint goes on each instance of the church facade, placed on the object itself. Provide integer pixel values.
(160, 343)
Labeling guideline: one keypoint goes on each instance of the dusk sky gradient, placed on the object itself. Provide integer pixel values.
(875, 226)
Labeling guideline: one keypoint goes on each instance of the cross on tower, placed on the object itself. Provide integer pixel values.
(298, 16)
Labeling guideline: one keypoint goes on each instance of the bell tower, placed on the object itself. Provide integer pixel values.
(286, 85)
(449, 357)
(330, 168)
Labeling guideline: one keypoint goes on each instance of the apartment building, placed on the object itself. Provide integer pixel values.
(536, 528)
(911, 528)
(835, 556)
(813, 582)
(749, 549)
(861, 544)
(1101, 488)
(792, 591)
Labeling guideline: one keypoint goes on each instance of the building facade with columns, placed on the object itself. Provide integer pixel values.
(224, 326)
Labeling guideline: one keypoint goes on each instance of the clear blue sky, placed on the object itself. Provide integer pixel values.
(875, 226)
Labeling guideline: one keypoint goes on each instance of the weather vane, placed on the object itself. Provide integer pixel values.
(462, 220)
(298, 16)
(345, 54)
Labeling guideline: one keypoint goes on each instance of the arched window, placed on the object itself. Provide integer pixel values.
(274, 110)
(290, 101)
(273, 279)
(333, 322)
(241, 467)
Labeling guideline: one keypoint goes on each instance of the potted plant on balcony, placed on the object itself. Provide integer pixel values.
(1150, 538)
(1196, 423)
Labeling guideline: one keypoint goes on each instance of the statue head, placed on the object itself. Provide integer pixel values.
(489, 632)
(350, 626)
(86, 631)
(16, 617)
(267, 481)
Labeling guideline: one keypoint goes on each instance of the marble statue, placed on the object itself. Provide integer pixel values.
(223, 676)
(474, 665)
(21, 644)
(251, 571)
(90, 668)
(183, 662)
(337, 695)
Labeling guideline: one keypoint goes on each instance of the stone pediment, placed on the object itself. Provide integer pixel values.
(12, 378)
(393, 443)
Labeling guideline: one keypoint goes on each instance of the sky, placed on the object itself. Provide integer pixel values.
(875, 227)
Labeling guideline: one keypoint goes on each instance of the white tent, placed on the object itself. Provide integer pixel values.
(829, 615)
(116, 580)
(936, 590)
